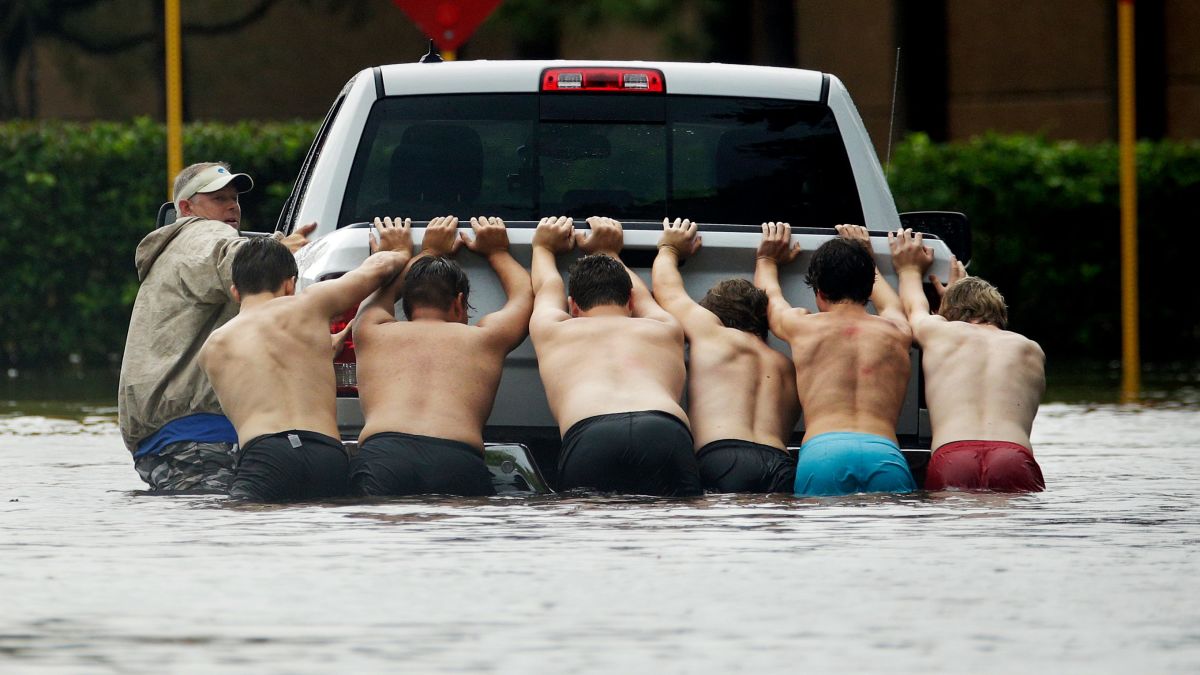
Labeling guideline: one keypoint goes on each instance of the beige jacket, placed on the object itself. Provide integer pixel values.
(185, 270)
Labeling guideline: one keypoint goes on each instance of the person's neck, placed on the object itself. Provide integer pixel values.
(256, 300)
(605, 310)
(431, 314)
(843, 307)
(984, 324)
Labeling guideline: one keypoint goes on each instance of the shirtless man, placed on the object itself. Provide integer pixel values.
(611, 362)
(272, 367)
(982, 382)
(427, 385)
(741, 392)
(852, 367)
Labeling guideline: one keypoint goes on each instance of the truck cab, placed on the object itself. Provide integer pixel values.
(726, 146)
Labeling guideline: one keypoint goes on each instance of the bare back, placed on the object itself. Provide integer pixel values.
(596, 365)
(740, 388)
(852, 371)
(272, 369)
(428, 377)
(981, 383)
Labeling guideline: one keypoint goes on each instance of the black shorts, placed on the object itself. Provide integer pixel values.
(392, 463)
(291, 465)
(733, 465)
(644, 453)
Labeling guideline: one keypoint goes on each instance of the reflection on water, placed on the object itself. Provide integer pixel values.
(1096, 574)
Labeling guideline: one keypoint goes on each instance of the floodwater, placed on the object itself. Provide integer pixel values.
(1101, 573)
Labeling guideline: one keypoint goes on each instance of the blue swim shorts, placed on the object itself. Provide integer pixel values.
(845, 462)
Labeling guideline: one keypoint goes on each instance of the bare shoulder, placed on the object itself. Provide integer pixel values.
(931, 327)
(800, 319)
(1029, 347)
(893, 325)
(722, 341)
(547, 324)
(669, 327)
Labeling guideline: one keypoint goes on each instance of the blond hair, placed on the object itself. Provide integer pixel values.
(974, 300)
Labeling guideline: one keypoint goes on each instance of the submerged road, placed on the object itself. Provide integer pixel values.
(1098, 574)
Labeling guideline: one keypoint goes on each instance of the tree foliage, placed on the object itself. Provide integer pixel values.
(1045, 217)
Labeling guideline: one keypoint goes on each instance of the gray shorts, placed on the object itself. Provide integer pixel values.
(190, 465)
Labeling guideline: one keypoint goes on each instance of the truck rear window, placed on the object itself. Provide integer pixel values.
(524, 156)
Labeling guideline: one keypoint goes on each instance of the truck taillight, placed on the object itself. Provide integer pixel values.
(345, 370)
(603, 79)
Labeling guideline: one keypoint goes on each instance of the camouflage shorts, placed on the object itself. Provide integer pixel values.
(190, 465)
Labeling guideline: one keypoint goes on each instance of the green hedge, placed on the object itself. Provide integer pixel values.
(75, 200)
(1046, 222)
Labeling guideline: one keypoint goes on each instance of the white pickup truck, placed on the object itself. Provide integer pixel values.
(726, 146)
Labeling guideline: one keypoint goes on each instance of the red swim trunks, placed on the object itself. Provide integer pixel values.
(984, 465)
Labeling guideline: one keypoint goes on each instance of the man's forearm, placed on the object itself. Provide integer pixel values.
(912, 293)
(766, 276)
(513, 278)
(665, 272)
(883, 296)
(544, 271)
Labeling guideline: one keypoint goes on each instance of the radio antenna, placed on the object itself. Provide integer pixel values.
(887, 168)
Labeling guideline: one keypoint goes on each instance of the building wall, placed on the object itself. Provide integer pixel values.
(853, 39)
(1010, 65)
(1182, 23)
(1031, 66)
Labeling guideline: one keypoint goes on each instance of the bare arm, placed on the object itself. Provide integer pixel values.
(510, 323)
(606, 237)
(333, 297)
(911, 258)
(776, 248)
(883, 296)
(679, 242)
(441, 239)
(380, 307)
(552, 237)
(336, 296)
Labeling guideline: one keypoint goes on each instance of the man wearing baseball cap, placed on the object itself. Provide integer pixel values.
(169, 415)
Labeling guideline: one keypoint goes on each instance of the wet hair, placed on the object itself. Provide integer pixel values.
(974, 300)
(842, 269)
(599, 280)
(434, 281)
(189, 173)
(261, 265)
(738, 304)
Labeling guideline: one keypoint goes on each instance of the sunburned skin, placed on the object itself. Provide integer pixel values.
(981, 382)
(607, 359)
(738, 386)
(272, 365)
(434, 375)
(852, 367)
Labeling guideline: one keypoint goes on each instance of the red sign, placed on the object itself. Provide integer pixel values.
(447, 22)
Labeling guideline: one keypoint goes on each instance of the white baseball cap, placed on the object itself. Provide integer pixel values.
(212, 179)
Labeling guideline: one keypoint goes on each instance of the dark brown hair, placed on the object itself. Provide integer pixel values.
(842, 269)
(434, 281)
(262, 264)
(599, 280)
(738, 304)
